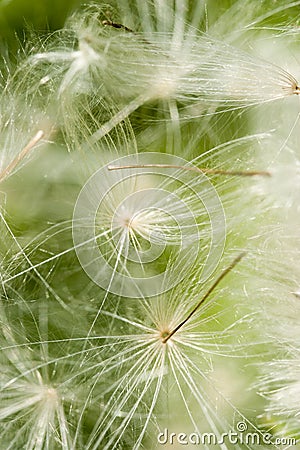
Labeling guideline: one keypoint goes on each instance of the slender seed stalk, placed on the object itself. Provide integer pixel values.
(20, 156)
(210, 290)
(195, 169)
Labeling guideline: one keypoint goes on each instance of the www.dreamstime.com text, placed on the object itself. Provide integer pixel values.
(238, 436)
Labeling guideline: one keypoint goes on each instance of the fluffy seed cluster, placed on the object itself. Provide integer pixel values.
(149, 216)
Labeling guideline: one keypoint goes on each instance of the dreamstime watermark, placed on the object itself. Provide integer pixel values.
(143, 218)
(240, 435)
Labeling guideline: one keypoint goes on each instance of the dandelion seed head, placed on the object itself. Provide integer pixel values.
(34, 398)
(140, 216)
(180, 65)
(146, 364)
(164, 334)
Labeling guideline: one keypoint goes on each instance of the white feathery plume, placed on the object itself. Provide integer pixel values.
(21, 132)
(278, 290)
(162, 345)
(32, 410)
(125, 68)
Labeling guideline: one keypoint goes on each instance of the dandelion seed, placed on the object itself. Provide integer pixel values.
(178, 68)
(133, 218)
(151, 355)
(79, 64)
(204, 71)
(32, 408)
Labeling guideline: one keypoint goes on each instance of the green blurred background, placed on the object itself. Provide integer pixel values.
(17, 17)
(41, 15)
